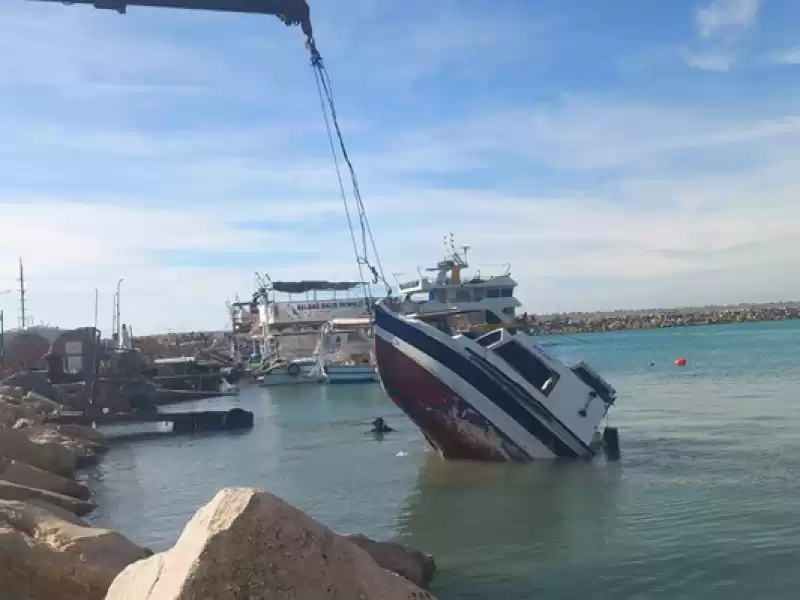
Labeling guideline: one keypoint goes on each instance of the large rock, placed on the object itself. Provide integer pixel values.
(13, 491)
(415, 566)
(17, 472)
(49, 554)
(85, 450)
(33, 381)
(82, 432)
(26, 445)
(249, 544)
(12, 410)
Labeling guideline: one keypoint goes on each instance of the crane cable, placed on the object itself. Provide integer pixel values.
(325, 91)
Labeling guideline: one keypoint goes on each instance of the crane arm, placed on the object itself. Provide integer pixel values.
(291, 12)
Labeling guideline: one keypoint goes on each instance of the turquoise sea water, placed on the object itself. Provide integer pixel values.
(705, 503)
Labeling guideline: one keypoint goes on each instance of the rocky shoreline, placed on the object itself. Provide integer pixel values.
(245, 543)
(560, 324)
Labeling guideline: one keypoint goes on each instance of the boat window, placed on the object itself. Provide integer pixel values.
(535, 372)
(492, 319)
(507, 292)
(440, 295)
(462, 296)
(479, 294)
(492, 293)
(509, 310)
(593, 382)
(490, 338)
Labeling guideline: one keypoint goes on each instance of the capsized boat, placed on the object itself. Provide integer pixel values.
(498, 396)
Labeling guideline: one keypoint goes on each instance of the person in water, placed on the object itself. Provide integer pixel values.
(380, 426)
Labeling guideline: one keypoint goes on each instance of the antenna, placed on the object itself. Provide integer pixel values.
(22, 317)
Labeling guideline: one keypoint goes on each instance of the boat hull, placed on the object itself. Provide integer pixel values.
(465, 406)
(344, 374)
(449, 422)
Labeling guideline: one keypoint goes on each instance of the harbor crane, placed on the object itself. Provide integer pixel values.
(290, 12)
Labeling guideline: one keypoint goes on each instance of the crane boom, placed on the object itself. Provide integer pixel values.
(291, 12)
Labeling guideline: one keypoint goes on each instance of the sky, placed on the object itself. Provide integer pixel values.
(617, 153)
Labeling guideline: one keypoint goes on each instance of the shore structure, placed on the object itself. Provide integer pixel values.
(566, 323)
(47, 551)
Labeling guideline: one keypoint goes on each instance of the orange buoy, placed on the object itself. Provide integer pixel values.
(680, 362)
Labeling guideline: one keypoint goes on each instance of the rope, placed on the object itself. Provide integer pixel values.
(325, 91)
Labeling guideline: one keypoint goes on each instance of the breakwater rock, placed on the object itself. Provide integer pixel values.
(47, 553)
(245, 543)
(569, 323)
(249, 544)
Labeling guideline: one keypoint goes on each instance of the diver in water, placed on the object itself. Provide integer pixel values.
(380, 426)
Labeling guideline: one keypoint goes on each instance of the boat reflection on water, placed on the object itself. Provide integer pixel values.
(491, 525)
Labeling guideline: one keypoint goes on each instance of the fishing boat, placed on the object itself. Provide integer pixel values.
(290, 372)
(291, 315)
(344, 351)
(497, 396)
(486, 300)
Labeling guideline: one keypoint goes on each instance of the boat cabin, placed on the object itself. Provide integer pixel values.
(346, 340)
(488, 299)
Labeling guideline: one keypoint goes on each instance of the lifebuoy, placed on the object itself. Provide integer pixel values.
(293, 370)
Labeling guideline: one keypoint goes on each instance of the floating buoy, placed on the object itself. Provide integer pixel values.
(680, 362)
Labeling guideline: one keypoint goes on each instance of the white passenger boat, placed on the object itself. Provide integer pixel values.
(344, 351)
(291, 315)
(497, 396)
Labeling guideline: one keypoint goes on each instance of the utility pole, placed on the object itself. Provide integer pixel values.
(119, 283)
(22, 319)
(114, 315)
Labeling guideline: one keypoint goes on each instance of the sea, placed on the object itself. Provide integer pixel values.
(704, 503)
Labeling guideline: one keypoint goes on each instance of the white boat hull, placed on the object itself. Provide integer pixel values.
(340, 374)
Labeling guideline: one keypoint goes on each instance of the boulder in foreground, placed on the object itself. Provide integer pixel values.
(49, 554)
(415, 566)
(249, 544)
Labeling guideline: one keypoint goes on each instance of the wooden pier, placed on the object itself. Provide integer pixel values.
(182, 422)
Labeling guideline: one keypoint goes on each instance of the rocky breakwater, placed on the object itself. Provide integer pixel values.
(249, 544)
(46, 551)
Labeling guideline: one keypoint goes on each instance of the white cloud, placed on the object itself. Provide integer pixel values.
(717, 60)
(787, 56)
(720, 15)
(721, 25)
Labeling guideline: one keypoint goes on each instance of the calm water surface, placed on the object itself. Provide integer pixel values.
(705, 503)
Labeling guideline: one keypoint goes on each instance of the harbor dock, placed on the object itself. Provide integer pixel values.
(182, 422)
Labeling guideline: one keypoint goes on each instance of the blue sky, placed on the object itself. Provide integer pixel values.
(618, 153)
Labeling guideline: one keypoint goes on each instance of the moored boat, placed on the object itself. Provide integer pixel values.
(345, 352)
(290, 372)
(498, 396)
